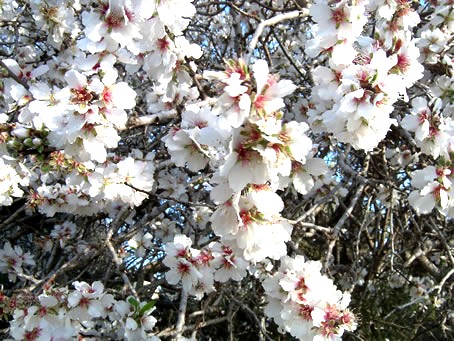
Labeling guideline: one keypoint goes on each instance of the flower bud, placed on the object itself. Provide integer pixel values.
(37, 141)
(28, 142)
(13, 144)
(21, 132)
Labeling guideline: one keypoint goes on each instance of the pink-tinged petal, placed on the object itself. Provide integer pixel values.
(303, 182)
(75, 79)
(421, 204)
(284, 88)
(173, 276)
(96, 309)
(240, 175)
(98, 287)
(260, 69)
(423, 130)
(48, 301)
(123, 96)
(148, 322)
(74, 298)
(131, 324)
(410, 122)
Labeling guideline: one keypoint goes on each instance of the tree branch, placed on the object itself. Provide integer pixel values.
(271, 22)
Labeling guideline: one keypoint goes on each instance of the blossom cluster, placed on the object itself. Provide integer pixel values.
(80, 118)
(72, 108)
(63, 314)
(263, 154)
(434, 188)
(306, 303)
(354, 95)
(434, 130)
(67, 131)
(433, 127)
(254, 153)
(436, 33)
(197, 270)
(431, 120)
(114, 65)
(120, 181)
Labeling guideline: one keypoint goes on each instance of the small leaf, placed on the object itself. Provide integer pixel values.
(132, 301)
(45, 168)
(147, 307)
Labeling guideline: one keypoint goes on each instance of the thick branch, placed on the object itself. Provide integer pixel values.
(150, 119)
(179, 328)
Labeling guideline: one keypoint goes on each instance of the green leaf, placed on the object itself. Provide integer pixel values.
(132, 301)
(147, 307)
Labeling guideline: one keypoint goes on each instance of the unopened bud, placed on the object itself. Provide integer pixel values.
(13, 144)
(28, 142)
(21, 132)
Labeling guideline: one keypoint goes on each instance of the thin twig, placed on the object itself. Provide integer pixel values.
(170, 331)
(341, 221)
(71, 264)
(12, 75)
(443, 240)
(12, 216)
(271, 22)
(438, 287)
(292, 61)
(254, 316)
(310, 225)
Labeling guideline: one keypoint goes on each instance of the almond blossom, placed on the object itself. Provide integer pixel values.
(253, 231)
(10, 184)
(181, 261)
(115, 23)
(198, 269)
(62, 314)
(432, 129)
(306, 303)
(12, 261)
(269, 89)
(433, 189)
